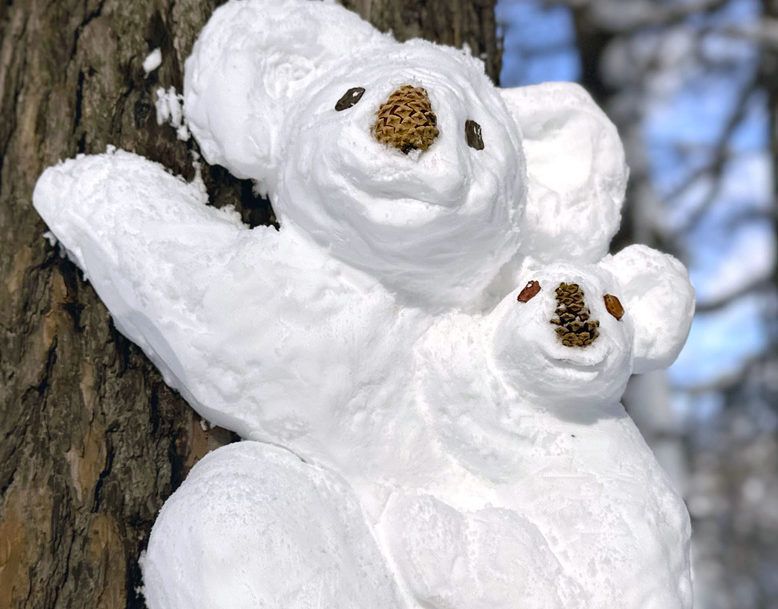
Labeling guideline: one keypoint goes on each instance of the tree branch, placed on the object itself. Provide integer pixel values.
(755, 284)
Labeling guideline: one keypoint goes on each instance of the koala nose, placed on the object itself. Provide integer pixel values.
(406, 120)
(576, 329)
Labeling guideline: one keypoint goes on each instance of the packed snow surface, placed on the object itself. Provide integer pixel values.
(417, 432)
(153, 61)
(278, 532)
(170, 110)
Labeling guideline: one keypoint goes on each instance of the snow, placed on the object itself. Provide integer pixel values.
(413, 434)
(50, 237)
(153, 61)
(574, 155)
(405, 213)
(169, 106)
(300, 539)
(654, 284)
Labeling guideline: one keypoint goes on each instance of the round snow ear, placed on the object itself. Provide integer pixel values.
(252, 64)
(657, 295)
(576, 172)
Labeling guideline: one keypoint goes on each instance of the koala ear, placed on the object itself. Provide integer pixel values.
(657, 295)
(250, 66)
(576, 170)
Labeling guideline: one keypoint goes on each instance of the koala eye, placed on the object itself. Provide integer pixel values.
(350, 98)
(473, 135)
(613, 305)
(529, 292)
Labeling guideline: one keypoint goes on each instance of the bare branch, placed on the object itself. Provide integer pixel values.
(718, 161)
(754, 284)
(619, 17)
(763, 32)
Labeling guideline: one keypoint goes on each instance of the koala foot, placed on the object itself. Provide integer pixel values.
(255, 526)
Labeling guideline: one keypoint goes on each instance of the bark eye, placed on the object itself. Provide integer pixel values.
(614, 306)
(350, 98)
(473, 135)
(529, 292)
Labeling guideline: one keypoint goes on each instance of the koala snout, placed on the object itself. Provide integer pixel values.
(572, 316)
(406, 120)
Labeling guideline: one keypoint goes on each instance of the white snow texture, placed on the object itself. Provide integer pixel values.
(416, 434)
(153, 61)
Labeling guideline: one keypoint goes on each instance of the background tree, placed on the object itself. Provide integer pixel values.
(91, 439)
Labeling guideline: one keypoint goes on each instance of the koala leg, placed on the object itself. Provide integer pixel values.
(488, 559)
(254, 526)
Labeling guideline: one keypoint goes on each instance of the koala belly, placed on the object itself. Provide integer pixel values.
(582, 503)
(610, 515)
(491, 558)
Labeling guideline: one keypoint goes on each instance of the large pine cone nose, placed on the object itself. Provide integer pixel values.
(406, 120)
(576, 329)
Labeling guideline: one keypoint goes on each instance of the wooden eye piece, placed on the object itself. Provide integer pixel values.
(473, 135)
(529, 292)
(350, 98)
(614, 306)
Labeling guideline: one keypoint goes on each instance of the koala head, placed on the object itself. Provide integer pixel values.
(402, 160)
(435, 221)
(573, 334)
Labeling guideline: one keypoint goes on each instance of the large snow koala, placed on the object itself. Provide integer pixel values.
(430, 412)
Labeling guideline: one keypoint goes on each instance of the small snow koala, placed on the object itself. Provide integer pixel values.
(414, 435)
(527, 399)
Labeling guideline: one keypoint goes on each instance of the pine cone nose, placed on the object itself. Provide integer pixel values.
(575, 328)
(406, 120)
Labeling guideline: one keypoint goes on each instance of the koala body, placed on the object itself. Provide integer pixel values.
(402, 411)
(539, 423)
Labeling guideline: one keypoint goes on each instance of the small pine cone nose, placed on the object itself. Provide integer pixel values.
(572, 317)
(406, 120)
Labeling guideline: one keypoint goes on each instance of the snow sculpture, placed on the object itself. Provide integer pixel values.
(425, 360)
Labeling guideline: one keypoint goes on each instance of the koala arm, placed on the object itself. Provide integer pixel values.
(218, 307)
(151, 247)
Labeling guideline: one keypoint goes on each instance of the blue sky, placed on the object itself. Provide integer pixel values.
(539, 44)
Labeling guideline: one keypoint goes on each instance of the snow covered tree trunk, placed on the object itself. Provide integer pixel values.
(92, 441)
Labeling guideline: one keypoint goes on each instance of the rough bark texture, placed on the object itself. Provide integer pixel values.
(92, 441)
(452, 22)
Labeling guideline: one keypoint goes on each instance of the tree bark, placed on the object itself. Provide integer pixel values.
(92, 440)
